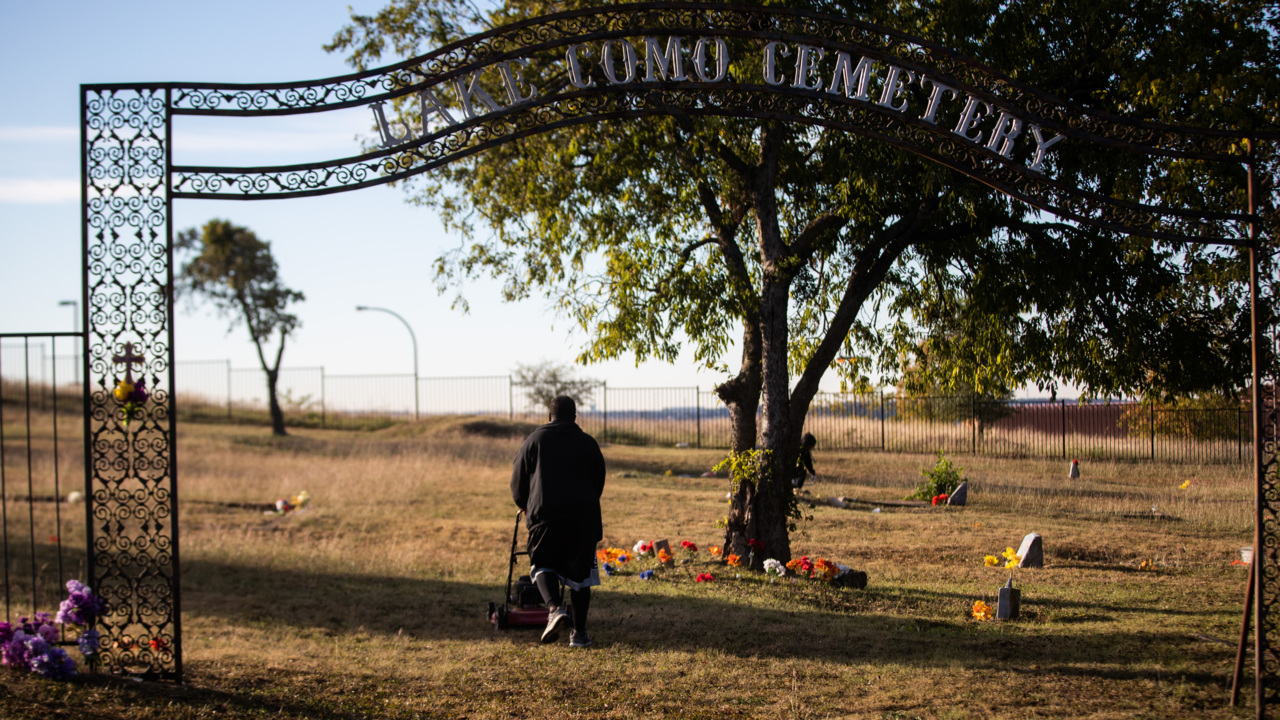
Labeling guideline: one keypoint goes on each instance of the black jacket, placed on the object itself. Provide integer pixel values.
(558, 477)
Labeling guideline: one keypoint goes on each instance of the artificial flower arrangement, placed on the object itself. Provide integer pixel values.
(30, 644)
(1011, 557)
(612, 559)
(131, 396)
(615, 561)
(940, 499)
(297, 502)
(822, 570)
(983, 611)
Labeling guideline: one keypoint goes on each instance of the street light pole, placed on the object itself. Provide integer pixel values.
(363, 308)
(75, 327)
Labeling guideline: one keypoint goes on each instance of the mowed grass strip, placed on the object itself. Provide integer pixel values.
(370, 603)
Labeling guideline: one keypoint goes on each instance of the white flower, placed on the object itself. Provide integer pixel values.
(844, 569)
(773, 567)
(638, 548)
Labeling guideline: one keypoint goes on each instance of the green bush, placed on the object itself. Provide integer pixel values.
(941, 478)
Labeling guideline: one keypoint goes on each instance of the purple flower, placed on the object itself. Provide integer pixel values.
(89, 642)
(53, 663)
(139, 394)
(646, 575)
(17, 652)
(48, 633)
(6, 632)
(608, 569)
(81, 605)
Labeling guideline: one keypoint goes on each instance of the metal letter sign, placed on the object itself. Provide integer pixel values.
(571, 68)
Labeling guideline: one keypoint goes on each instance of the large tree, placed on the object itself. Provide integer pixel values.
(816, 246)
(228, 266)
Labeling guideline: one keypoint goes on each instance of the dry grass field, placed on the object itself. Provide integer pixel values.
(369, 603)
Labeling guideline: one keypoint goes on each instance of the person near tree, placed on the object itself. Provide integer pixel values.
(804, 465)
(557, 480)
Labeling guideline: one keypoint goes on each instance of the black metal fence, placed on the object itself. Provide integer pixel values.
(41, 464)
(1099, 429)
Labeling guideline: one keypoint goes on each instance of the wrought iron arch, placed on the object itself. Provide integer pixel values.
(130, 183)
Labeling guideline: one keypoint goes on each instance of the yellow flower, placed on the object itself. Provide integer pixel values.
(991, 560)
(1186, 484)
(981, 610)
(1013, 563)
(123, 391)
(1010, 554)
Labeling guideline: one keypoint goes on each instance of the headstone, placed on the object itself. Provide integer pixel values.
(1008, 601)
(959, 495)
(664, 545)
(1031, 551)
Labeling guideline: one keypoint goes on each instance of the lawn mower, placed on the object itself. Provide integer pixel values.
(522, 604)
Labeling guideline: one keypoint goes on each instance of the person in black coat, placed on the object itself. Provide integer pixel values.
(557, 480)
(804, 464)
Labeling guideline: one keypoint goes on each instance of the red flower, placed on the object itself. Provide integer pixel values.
(688, 546)
(646, 547)
(157, 644)
(705, 577)
(755, 544)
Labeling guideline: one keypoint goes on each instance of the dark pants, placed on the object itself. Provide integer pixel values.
(580, 600)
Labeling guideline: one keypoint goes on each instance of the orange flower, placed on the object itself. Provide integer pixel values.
(715, 551)
(734, 560)
(664, 557)
(825, 570)
(982, 611)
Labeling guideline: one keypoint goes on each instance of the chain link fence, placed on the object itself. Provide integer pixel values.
(679, 416)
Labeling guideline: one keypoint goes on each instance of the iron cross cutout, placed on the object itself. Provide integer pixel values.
(128, 358)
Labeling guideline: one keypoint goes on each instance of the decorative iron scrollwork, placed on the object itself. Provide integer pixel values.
(132, 534)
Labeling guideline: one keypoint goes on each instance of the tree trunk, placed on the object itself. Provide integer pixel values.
(761, 512)
(277, 415)
(741, 393)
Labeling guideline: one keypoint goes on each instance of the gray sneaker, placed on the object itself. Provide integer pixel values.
(579, 639)
(557, 618)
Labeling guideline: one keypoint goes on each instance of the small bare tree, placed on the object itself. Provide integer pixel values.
(228, 266)
(546, 380)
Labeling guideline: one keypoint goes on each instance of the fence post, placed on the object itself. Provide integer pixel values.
(882, 445)
(697, 408)
(1062, 408)
(511, 399)
(228, 389)
(323, 411)
(973, 420)
(604, 395)
(1153, 428)
(1239, 435)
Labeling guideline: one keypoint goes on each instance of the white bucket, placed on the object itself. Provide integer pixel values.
(1246, 554)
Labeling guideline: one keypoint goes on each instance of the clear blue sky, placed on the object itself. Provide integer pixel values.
(365, 247)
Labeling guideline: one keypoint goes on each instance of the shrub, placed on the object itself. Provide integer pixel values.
(939, 479)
